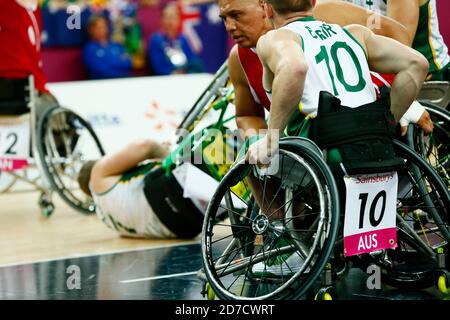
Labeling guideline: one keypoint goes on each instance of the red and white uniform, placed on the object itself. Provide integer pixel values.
(380, 80)
(20, 43)
(253, 70)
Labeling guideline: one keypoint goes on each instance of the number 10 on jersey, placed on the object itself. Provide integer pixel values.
(370, 213)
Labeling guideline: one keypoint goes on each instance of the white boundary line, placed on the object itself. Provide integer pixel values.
(99, 254)
(160, 277)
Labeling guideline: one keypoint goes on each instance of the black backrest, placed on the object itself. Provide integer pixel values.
(14, 96)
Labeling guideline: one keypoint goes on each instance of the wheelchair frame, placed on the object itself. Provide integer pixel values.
(216, 92)
(44, 182)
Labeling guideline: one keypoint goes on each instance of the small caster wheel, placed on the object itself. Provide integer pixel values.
(46, 206)
(324, 294)
(443, 283)
(210, 292)
(47, 210)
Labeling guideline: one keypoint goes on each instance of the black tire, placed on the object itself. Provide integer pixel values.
(435, 148)
(425, 208)
(234, 264)
(66, 186)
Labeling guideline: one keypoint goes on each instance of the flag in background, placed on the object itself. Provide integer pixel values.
(206, 33)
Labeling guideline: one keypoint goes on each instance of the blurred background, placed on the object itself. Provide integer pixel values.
(132, 23)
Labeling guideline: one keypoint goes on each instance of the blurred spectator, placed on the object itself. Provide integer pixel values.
(103, 57)
(169, 51)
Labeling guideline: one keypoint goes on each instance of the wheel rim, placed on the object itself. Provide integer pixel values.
(422, 225)
(228, 268)
(435, 148)
(63, 152)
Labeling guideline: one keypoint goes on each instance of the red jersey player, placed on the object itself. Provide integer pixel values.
(20, 47)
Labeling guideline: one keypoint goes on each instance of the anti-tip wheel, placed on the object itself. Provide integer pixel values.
(324, 294)
(443, 283)
(208, 291)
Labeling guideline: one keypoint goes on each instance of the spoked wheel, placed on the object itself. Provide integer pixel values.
(435, 148)
(268, 235)
(423, 206)
(65, 141)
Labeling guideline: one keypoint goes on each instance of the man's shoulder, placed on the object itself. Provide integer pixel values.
(113, 44)
(242, 54)
(91, 45)
(156, 36)
(235, 50)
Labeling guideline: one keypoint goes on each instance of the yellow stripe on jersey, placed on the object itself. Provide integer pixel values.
(430, 39)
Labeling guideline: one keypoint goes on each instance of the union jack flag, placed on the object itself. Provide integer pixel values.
(206, 33)
(190, 17)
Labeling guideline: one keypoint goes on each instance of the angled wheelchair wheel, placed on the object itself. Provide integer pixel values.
(212, 97)
(268, 235)
(423, 206)
(65, 141)
(435, 148)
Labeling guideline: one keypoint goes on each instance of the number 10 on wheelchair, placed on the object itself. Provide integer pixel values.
(302, 226)
(45, 152)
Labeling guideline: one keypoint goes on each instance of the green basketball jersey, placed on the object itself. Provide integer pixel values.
(336, 63)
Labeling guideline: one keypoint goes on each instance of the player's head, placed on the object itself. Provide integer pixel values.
(84, 176)
(98, 28)
(170, 19)
(245, 20)
(285, 7)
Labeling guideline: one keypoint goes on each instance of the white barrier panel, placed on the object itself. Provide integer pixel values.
(123, 109)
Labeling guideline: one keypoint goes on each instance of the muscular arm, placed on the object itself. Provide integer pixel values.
(132, 154)
(250, 116)
(343, 14)
(405, 12)
(285, 70)
(389, 56)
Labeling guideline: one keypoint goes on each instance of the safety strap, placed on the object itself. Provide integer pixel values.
(336, 125)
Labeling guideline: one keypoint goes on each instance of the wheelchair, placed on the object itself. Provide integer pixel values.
(290, 215)
(435, 148)
(436, 92)
(208, 132)
(54, 147)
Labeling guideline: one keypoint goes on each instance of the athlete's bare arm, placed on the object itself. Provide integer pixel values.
(344, 13)
(386, 55)
(405, 12)
(281, 54)
(107, 170)
(250, 116)
(284, 74)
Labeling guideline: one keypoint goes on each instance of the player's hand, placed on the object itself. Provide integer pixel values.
(425, 123)
(262, 151)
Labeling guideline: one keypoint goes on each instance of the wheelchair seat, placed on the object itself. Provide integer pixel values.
(436, 92)
(14, 96)
(359, 139)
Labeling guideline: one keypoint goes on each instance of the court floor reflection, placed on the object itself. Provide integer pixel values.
(165, 273)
